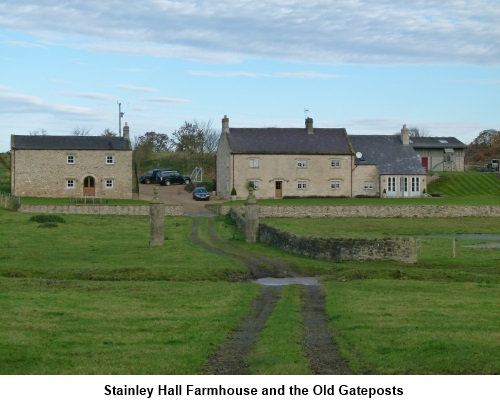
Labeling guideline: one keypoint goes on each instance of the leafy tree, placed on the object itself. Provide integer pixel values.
(188, 138)
(484, 147)
(488, 137)
(196, 137)
(153, 141)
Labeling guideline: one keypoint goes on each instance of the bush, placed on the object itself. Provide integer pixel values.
(47, 218)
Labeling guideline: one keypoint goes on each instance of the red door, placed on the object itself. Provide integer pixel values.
(425, 163)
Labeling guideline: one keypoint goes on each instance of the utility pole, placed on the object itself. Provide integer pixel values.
(120, 115)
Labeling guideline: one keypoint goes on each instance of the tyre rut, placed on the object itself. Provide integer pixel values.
(229, 359)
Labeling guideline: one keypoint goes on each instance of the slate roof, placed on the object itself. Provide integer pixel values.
(438, 142)
(72, 142)
(388, 153)
(324, 141)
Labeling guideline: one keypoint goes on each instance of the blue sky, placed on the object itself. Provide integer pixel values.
(368, 66)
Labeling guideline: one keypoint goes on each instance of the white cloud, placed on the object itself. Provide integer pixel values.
(90, 96)
(324, 31)
(166, 100)
(278, 75)
(139, 89)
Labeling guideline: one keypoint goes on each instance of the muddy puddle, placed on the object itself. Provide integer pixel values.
(277, 282)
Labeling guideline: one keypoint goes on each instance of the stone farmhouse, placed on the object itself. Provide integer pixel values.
(324, 162)
(72, 166)
(440, 154)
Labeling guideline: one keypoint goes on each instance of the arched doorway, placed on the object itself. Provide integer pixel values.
(89, 186)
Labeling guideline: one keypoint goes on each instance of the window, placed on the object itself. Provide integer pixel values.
(302, 184)
(110, 159)
(70, 159)
(335, 164)
(391, 184)
(335, 184)
(109, 183)
(368, 185)
(302, 163)
(415, 184)
(70, 183)
(253, 163)
(256, 184)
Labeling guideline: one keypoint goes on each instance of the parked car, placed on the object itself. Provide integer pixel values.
(201, 193)
(168, 177)
(151, 176)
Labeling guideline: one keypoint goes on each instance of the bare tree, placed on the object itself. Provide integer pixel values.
(107, 132)
(41, 131)
(81, 131)
(418, 132)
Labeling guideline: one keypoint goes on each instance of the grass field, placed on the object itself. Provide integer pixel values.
(90, 297)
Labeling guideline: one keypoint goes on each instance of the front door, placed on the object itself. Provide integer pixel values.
(89, 186)
(278, 189)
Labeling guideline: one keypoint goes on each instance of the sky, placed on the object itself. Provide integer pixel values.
(367, 66)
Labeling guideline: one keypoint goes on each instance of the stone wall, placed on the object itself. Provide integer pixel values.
(374, 211)
(88, 209)
(338, 249)
(398, 249)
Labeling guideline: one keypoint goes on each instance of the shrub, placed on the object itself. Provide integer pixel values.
(46, 218)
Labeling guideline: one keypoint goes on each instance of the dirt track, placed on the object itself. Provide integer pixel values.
(229, 359)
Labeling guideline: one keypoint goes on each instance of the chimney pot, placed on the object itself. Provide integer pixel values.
(225, 124)
(309, 126)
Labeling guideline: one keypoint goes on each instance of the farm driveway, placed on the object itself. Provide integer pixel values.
(273, 274)
(176, 195)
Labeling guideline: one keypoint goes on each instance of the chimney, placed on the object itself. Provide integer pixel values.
(309, 126)
(405, 135)
(225, 124)
(126, 132)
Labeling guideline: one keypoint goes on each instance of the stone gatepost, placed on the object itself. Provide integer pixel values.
(251, 218)
(157, 217)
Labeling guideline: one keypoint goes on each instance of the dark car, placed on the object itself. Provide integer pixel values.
(151, 176)
(168, 177)
(201, 193)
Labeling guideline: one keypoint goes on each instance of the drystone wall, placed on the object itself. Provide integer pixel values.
(338, 249)
(91, 209)
(392, 211)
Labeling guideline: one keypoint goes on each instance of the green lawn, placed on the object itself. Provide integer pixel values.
(90, 296)
(412, 327)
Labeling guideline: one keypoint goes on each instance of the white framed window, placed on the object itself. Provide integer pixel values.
(335, 163)
(70, 159)
(110, 159)
(302, 163)
(415, 184)
(391, 184)
(302, 184)
(70, 183)
(256, 184)
(253, 163)
(368, 185)
(108, 183)
(335, 184)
